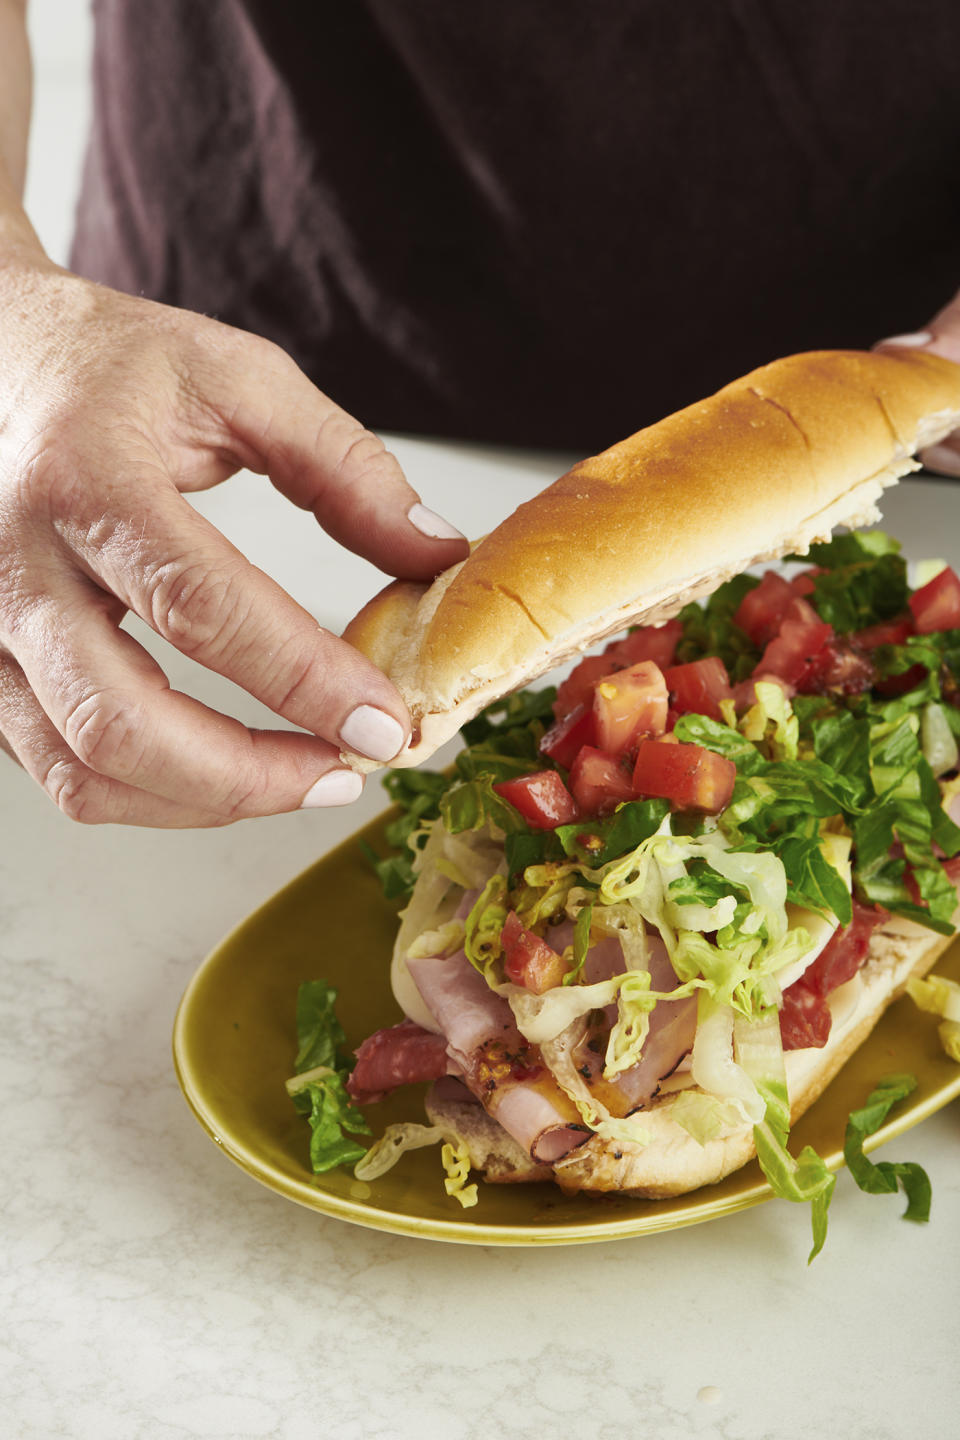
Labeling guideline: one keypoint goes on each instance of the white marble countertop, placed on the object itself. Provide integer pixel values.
(151, 1289)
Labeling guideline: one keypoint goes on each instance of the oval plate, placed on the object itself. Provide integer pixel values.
(234, 1041)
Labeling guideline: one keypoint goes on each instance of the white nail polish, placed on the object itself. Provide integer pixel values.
(337, 787)
(428, 522)
(911, 342)
(372, 732)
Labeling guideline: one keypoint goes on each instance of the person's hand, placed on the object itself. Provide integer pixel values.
(941, 337)
(110, 408)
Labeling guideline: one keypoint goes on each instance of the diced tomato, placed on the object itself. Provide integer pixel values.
(805, 1019)
(802, 584)
(936, 605)
(888, 632)
(761, 610)
(648, 642)
(565, 737)
(542, 799)
(952, 869)
(839, 666)
(528, 960)
(892, 685)
(577, 689)
(629, 703)
(794, 652)
(698, 688)
(599, 782)
(689, 776)
(845, 952)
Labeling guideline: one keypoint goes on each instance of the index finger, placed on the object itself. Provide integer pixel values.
(179, 574)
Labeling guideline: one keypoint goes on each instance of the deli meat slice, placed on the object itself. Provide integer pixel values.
(673, 1025)
(404, 1054)
(468, 1012)
(505, 1073)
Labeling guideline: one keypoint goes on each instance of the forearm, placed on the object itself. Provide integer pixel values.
(16, 232)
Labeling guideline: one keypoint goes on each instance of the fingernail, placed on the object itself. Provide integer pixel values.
(372, 732)
(428, 522)
(941, 458)
(921, 337)
(337, 787)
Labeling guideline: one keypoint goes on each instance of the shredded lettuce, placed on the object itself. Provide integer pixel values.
(445, 940)
(940, 996)
(331, 1113)
(705, 1117)
(678, 884)
(861, 592)
(317, 1088)
(804, 1179)
(625, 1044)
(398, 1139)
(937, 739)
(771, 723)
(581, 944)
(484, 925)
(713, 1066)
(883, 1179)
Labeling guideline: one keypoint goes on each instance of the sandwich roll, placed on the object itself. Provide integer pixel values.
(771, 463)
(650, 914)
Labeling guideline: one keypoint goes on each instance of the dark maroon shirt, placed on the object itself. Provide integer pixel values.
(531, 221)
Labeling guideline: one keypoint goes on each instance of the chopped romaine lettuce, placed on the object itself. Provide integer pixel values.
(884, 1178)
(317, 1087)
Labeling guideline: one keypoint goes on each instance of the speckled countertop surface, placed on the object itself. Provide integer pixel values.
(151, 1289)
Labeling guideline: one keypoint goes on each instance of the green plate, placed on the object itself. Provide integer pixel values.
(234, 1043)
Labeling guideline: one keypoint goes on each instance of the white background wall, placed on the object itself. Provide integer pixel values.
(60, 34)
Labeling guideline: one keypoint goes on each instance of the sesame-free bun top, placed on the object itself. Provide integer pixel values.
(763, 468)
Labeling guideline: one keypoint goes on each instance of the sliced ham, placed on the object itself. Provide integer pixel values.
(670, 1036)
(505, 1073)
(403, 1054)
(468, 1012)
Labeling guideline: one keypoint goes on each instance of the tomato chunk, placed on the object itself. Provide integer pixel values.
(528, 960)
(888, 632)
(802, 584)
(689, 776)
(793, 653)
(542, 799)
(761, 610)
(839, 666)
(566, 736)
(599, 782)
(805, 1019)
(648, 642)
(629, 703)
(698, 688)
(936, 605)
(577, 689)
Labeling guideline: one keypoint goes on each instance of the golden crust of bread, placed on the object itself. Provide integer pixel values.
(770, 463)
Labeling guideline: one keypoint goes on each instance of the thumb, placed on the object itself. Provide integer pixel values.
(941, 337)
(325, 461)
